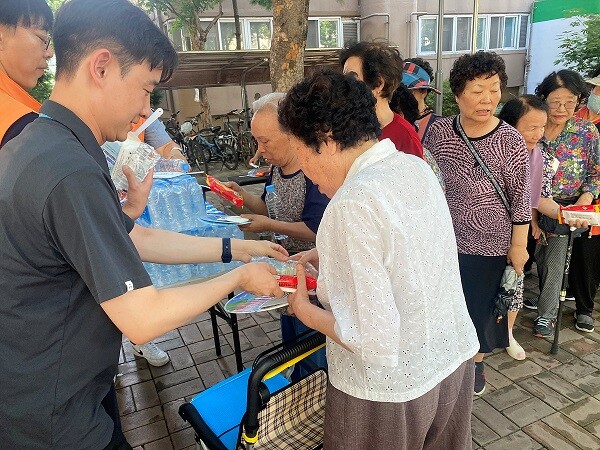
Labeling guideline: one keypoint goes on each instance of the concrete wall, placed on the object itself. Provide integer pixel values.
(381, 19)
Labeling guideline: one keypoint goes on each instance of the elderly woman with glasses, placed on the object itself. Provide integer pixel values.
(573, 141)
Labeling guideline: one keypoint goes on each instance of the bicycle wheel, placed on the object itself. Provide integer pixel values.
(247, 147)
(230, 158)
(198, 158)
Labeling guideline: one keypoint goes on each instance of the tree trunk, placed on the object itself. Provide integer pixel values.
(238, 32)
(198, 37)
(290, 26)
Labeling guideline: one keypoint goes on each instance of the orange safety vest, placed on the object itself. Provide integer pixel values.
(15, 103)
(137, 125)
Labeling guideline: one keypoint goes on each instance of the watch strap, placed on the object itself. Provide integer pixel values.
(226, 254)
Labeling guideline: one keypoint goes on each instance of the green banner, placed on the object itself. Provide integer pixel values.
(544, 10)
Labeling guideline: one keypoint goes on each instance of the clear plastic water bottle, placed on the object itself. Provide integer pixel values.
(171, 165)
(275, 208)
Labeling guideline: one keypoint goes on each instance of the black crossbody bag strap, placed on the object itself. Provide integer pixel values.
(466, 140)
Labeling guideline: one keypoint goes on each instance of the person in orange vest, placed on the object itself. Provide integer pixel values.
(25, 48)
(24, 53)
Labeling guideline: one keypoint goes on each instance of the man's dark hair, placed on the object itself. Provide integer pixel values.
(329, 104)
(569, 79)
(85, 25)
(404, 102)
(423, 65)
(594, 72)
(517, 107)
(378, 61)
(27, 13)
(480, 64)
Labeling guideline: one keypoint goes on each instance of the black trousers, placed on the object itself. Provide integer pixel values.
(584, 273)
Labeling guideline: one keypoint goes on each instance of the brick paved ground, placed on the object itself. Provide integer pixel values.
(546, 401)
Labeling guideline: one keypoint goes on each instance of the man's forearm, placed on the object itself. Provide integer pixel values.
(296, 230)
(254, 203)
(144, 314)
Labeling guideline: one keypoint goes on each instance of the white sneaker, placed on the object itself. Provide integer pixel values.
(154, 355)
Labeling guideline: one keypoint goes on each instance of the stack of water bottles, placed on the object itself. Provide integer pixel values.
(177, 204)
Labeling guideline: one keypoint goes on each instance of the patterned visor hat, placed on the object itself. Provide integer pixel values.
(595, 81)
(415, 77)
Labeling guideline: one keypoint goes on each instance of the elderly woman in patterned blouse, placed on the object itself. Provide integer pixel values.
(489, 234)
(399, 338)
(573, 141)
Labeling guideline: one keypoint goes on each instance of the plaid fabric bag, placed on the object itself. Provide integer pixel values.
(294, 417)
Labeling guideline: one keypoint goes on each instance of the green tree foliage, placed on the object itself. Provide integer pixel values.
(581, 47)
(156, 97)
(43, 88)
(186, 13)
(449, 106)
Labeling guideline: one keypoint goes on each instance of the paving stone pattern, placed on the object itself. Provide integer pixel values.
(546, 401)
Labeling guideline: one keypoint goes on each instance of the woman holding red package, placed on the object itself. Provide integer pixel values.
(574, 143)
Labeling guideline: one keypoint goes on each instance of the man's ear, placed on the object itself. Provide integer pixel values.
(100, 62)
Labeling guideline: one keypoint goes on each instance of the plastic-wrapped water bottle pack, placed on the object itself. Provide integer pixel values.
(177, 204)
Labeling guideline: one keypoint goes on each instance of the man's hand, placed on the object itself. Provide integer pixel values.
(517, 257)
(137, 192)
(253, 161)
(244, 250)
(259, 223)
(259, 279)
(234, 186)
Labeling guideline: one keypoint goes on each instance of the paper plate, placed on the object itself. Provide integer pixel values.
(230, 220)
(247, 303)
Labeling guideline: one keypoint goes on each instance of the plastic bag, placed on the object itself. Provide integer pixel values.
(138, 156)
(506, 292)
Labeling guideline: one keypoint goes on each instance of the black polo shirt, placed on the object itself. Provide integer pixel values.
(64, 249)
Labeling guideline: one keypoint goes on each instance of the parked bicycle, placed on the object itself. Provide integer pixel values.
(235, 135)
(210, 148)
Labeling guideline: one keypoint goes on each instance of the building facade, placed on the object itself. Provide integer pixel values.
(502, 26)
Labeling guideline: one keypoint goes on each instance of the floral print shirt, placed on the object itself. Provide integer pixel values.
(577, 150)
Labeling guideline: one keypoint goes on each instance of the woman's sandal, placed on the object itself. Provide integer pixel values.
(515, 351)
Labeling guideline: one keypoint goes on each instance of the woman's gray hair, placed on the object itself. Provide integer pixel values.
(269, 100)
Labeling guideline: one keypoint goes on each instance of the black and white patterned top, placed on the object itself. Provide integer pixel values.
(302, 202)
(481, 223)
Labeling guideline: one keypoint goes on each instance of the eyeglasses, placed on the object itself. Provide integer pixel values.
(557, 104)
(46, 41)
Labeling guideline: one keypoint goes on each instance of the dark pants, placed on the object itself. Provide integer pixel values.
(584, 272)
(118, 441)
(291, 328)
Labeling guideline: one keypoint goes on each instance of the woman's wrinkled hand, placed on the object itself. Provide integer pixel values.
(299, 299)
(517, 257)
(309, 256)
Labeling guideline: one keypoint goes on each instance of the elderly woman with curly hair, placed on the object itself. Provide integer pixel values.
(573, 141)
(489, 231)
(399, 338)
